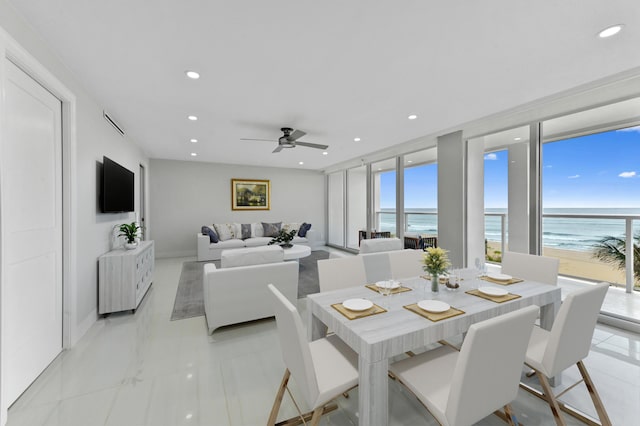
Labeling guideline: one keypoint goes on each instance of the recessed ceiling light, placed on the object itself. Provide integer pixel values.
(356, 139)
(193, 140)
(409, 161)
(194, 154)
(412, 117)
(379, 168)
(610, 31)
(301, 162)
(192, 117)
(517, 139)
(192, 74)
(325, 153)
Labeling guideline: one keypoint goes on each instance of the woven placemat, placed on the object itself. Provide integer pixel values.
(497, 299)
(503, 282)
(374, 310)
(393, 291)
(432, 316)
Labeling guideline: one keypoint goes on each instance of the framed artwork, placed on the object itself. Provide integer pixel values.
(250, 194)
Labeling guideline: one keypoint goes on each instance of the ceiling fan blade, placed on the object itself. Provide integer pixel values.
(278, 149)
(312, 145)
(297, 134)
(266, 140)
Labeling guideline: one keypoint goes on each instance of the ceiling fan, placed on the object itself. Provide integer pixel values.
(289, 139)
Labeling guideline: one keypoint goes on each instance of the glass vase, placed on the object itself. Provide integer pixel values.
(434, 283)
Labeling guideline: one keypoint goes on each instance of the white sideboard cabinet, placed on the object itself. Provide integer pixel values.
(124, 276)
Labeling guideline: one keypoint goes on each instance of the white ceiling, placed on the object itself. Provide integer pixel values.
(334, 69)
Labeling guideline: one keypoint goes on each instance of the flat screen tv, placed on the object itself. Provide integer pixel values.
(117, 187)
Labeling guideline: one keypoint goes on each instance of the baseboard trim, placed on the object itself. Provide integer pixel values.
(176, 253)
(83, 327)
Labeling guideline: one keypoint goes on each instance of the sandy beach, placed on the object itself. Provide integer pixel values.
(580, 264)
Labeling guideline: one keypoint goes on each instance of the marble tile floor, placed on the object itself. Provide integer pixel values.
(142, 369)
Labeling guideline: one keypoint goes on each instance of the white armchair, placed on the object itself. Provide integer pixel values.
(239, 294)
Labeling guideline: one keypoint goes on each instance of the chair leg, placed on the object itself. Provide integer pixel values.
(317, 413)
(553, 403)
(597, 402)
(278, 401)
(511, 417)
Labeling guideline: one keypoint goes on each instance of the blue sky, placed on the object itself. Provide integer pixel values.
(599, 170)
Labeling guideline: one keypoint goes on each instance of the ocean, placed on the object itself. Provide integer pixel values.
(561, 233)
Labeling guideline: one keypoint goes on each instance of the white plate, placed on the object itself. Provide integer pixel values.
(493, 291)
(499, 277)
(434, 306)
(357, 304)
(388, 284)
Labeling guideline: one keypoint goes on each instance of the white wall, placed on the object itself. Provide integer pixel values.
(94, 137)
(185, 195)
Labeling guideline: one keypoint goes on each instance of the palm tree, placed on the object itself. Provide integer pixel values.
(611, 250)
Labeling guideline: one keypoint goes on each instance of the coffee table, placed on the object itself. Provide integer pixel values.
(296, 252)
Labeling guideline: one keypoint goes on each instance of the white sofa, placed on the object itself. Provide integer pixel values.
(212, 251)
(237, 294)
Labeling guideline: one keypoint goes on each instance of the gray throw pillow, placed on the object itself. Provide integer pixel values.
(246, 231)
(271, 229)
(303, 229)
(213, 237)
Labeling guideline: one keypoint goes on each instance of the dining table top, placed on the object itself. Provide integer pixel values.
(408, 330)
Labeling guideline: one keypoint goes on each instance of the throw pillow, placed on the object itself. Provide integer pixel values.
(257, 230)
(303, 229)
(245, 231)
(213, 237)
(288, 227)
(226, 231)
(271, 229)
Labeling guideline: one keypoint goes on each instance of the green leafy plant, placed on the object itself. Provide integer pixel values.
(284, 237)
(129, 231)
(612, 250)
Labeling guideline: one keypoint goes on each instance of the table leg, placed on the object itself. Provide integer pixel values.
(547, 317)
(316, 328)
(373, 392)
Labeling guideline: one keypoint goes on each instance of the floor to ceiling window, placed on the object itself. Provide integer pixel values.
(421, 193)
(591, 192)
(335, 209)
(356, 204)
(384, 195)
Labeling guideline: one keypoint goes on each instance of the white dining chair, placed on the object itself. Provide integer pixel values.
(568, 343)
(531, 267)
(375, 245)
(406, 263)
(323, 369)
(461, 388)
(339, 273)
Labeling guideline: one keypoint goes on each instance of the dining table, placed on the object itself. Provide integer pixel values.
(396, 329)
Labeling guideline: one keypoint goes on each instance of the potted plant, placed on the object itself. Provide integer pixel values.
(284, 238)
(436, 262)
(130, 232)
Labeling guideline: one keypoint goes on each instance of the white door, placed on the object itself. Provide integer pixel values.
(31, 167)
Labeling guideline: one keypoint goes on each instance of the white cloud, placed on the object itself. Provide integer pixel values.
(630, 129)
(491, 156)
(548, 166)
(627, 174)
(574, 177)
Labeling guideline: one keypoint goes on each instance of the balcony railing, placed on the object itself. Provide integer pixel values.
(413, 226)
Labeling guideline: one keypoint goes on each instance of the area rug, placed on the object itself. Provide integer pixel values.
(189, 300)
